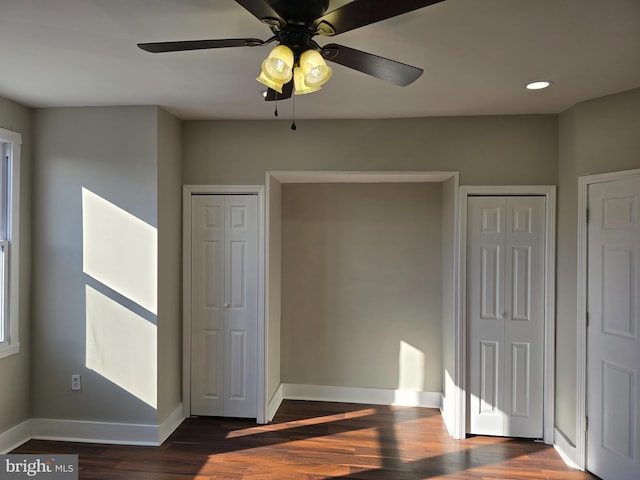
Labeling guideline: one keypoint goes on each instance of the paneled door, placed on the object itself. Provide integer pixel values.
(613, 336)
(224, 313)
(505, 315)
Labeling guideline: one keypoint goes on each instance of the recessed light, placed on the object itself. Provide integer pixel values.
(539, 85)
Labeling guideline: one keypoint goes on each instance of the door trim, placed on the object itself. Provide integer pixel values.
(549, 192)
(187, 192)
(581, 371)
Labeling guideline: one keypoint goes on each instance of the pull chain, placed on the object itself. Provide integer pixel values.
(293, 123)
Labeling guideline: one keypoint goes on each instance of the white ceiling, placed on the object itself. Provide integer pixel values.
(477, 56)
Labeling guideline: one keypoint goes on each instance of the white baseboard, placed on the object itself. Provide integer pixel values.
(447, 419)
(15, 436)
(107, 432)
(94, 432)
(275, 403)
(169, 424)
(91, 432)
(565, 449)
(374, 396)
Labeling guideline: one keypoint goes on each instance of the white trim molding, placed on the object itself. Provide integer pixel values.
(15, 436)
(370, 396)
(94, 432)
(187, 191)
(170, 424)
(565, 449)
(275, 402)
(360, 177)
(549, 192)
(91, 432)
(106, 432)
(581, 386)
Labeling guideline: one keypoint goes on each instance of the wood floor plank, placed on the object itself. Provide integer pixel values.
(319, 440)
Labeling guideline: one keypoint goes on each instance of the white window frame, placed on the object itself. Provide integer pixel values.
(11, 147)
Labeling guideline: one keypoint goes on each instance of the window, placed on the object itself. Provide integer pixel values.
(9, 245)
(4, 242)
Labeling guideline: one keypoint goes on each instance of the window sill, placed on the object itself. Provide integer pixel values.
(8, 350)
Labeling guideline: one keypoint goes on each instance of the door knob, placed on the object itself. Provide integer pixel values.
(226, 305)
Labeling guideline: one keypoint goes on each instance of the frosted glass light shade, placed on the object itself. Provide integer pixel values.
(262, 78)
(278, 66)
(316, 72)
(300, 87)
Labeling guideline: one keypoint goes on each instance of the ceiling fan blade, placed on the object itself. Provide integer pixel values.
(263, 12)
(160, 47)
(395, 72)
(287, 91)
(359, 13)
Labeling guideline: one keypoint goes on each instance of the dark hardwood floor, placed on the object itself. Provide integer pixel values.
(319, 440)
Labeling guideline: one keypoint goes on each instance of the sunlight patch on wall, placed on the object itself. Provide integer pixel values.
(411, 367)
(120, 255)
(450, 387)
(120, 250)
(121, 346)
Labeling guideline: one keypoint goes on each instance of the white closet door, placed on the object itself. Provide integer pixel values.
(524, 317)
(224, 305)
(207, 305)
(485, 307)
(613, 355)
(505, 315)
(241, 306)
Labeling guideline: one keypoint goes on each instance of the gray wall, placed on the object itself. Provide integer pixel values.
(361, 277)
(15, 370)
(485, 150)
(596, 136)
(112, 153)
(497, 150)
(169, 263)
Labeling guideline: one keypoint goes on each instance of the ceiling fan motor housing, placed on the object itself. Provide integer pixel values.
(300, 12)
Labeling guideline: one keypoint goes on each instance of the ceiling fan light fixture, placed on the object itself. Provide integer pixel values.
(263, 79)
(278, 66)
(315, 69)
(300, 87)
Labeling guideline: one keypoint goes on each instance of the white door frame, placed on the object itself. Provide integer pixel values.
(187, 192)
(549, 192)
(581, 385)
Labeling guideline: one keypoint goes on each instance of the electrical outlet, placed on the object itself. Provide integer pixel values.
(75, 382)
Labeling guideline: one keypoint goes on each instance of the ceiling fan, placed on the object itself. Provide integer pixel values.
(297, 62)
